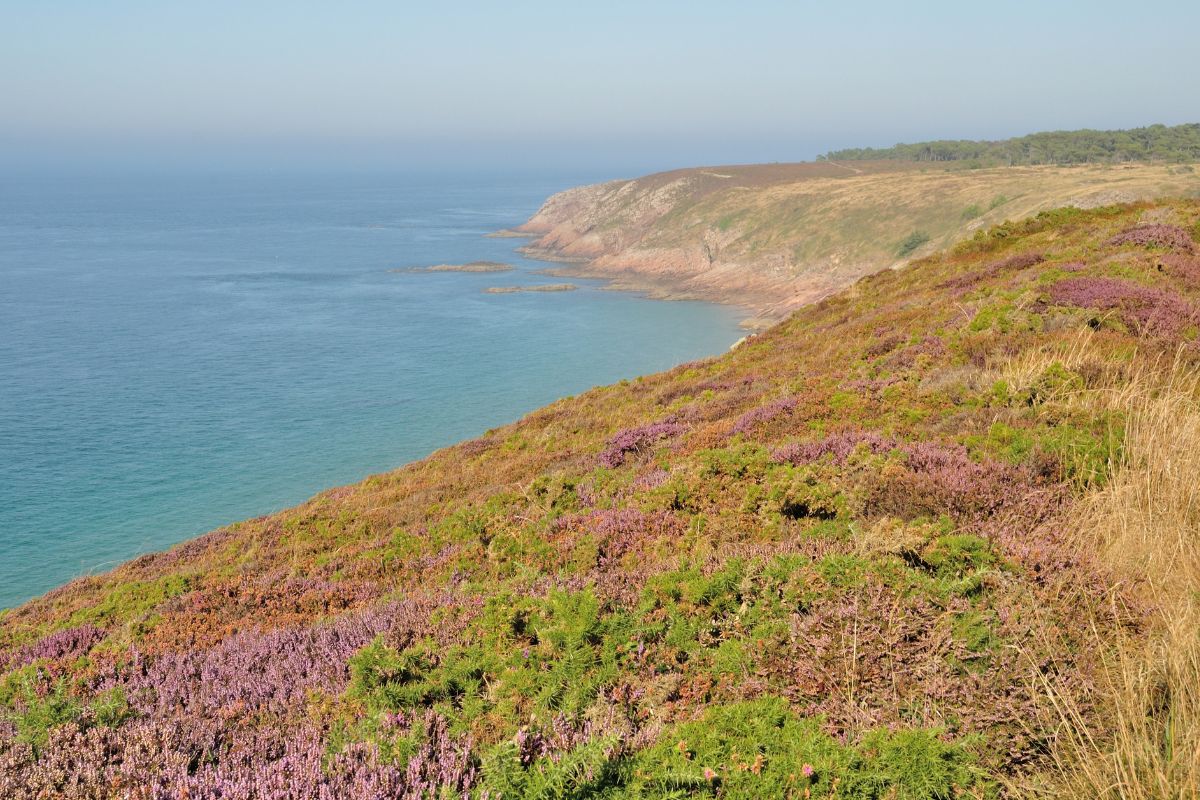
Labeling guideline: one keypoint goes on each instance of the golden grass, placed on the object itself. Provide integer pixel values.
(865, 217)
(1145, 525)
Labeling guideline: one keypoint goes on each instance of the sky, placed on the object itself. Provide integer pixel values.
(623, 85)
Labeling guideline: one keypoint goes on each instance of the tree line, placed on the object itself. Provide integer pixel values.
(1178, 143)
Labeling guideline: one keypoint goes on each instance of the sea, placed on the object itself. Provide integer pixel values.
(182, 351)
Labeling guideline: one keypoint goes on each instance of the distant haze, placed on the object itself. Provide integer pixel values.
(627, 86)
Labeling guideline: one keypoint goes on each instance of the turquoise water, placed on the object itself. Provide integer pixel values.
(177, 353)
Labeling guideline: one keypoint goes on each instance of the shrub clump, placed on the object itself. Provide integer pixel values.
(616, 531)
(911, 243)
(839, 446)
(765, 413)
(1186, 268)
(1011, 264)
(1170, 236)
(760, 749)
(636, 440)
(1154, 311)
(67, 643)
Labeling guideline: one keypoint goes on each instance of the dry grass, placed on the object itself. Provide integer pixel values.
(1145, 525)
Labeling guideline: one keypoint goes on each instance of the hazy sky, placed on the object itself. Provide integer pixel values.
(635, 85)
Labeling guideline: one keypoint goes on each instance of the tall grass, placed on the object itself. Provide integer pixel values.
(1145, 525)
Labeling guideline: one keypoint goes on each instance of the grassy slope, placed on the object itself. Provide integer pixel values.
(845, 558)
(809, 217)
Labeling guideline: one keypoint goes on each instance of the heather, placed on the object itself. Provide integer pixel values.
(633, 441)
(1149, 309)
(1171, 237)
(871, 553)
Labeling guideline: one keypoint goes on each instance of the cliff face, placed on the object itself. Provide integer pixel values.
(776, 237)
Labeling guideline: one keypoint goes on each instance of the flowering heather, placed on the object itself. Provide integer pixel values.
(475, 447)
(839, 445)
(931, 346)
(152, 760)
(67, 643)
(675, 391)
(724, 385)
(874, 387)
(618, 530)
(191, 549)
(886, 344)
(751, 419)
(636, 440)
(1184, 267)
(561, 736)
(1154, 311)
(650, 480)
(1156, 235)
(944, 479)
(1011, 264)
(250, 672)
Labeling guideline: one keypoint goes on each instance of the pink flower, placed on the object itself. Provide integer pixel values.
(709, 775)
(807, 770)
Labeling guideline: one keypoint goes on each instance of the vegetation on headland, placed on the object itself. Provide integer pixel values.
(1179, 143)
(470, 266)
(932, 537)
(537, 287)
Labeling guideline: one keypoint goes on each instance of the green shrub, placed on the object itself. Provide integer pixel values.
(760, 749)
(36, 713)
(911, 243)
(739, 461)
(913, 764)
(956, 554)
(586, 771)
(536, 658)
(843, 571)
(973, 629)
(799, 493)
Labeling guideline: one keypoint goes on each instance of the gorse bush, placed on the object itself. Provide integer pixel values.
(542, 658)
(911, 243)
(39, 706)
(760, 749)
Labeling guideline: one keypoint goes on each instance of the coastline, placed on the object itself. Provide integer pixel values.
(756, 312)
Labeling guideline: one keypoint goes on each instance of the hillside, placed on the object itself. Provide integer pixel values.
(775, 237)
(932, 537)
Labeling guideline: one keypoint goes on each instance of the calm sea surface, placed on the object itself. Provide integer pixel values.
(180, 353)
